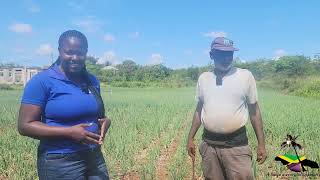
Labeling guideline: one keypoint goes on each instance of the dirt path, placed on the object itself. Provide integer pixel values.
(163, 161)
(189, 166)
(167, 153)
(141, 159)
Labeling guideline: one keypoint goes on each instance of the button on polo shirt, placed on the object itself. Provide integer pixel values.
(64, 104)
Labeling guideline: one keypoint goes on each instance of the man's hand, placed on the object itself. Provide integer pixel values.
(104, 126)
(191, 149)
(193, 130)
(261, 154)
(257, 124)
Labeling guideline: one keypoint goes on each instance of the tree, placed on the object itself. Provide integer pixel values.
(193, 73)
(91, 60)
(93, 67)
(127, 69)
(155, 73)
(293, 66)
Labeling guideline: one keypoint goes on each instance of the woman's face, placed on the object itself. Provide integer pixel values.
(73, 53)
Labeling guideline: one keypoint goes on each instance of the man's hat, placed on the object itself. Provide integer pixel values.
(223, 44)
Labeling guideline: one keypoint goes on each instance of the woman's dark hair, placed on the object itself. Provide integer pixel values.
(68, 34)
(73, 33)
(88, 85)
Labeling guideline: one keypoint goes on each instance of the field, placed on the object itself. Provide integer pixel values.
(149, 129)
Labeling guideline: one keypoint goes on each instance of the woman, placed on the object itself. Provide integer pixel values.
(62, 107)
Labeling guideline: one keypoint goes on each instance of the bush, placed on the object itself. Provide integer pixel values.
(128, 84)
(310, 89)
(302, 86)
(6, 87)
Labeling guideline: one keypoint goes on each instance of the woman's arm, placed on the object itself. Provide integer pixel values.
(29, 124)
(105, 124)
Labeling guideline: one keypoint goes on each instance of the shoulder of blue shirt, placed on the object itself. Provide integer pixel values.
(36, 90)
(43, 76)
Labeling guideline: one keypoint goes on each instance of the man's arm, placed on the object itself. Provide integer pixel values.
(196, 122)
(256, 121)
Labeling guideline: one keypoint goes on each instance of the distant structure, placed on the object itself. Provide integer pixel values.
(110, 68)
(17, 75)
(316, 56)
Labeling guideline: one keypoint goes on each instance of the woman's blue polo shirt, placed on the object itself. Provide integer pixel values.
(63, 104)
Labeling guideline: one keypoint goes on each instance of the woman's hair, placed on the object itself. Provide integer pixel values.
(68, 34)
(73, 33)
(85, 74)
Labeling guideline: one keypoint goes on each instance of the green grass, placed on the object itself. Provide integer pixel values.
(143, 117)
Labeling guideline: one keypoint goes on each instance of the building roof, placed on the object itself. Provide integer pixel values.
(109, 68)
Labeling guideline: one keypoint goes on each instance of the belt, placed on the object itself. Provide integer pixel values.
(234, 139)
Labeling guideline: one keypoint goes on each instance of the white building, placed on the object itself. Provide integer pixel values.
(17, 75)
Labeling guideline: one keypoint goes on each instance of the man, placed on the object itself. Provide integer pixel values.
(226, 97)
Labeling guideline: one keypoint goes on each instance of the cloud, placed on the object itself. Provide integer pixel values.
(75, 5)
(215, 34)
(188, 52)
(44, 50)
(32, 7)
(156, 44)
(18, 50)
(89, 23)
(155, 59)
(20, 28)
(279, 53)
(109, 56)
(206, 51)
(134, 35)
(109, 38)
(78, 5)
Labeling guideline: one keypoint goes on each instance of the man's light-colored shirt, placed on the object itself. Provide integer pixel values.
(225, 107)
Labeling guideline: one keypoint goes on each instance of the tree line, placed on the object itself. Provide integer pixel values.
(298, 75)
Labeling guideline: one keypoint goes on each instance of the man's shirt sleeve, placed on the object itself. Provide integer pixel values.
(252, 95)
(199, 95)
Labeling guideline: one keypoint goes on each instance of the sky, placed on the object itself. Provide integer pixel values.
(175, 33)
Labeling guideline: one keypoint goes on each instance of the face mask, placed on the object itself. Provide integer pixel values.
(222, 68)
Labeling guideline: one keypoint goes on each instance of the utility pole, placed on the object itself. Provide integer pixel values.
(25, 74)
(51, 57)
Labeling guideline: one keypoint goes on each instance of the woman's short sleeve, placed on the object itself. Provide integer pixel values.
(35, 92)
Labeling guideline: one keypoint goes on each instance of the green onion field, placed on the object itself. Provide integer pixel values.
(149, 129)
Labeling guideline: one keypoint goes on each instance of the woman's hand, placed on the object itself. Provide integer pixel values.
(81, 135)
(104, 126)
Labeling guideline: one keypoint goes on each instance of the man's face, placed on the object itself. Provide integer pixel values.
(222, 59)
(73, 53)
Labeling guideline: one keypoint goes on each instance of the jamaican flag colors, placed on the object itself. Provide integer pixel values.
(292, 162)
